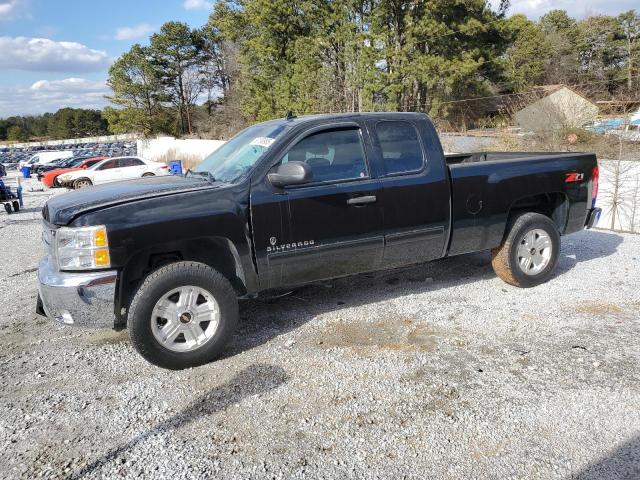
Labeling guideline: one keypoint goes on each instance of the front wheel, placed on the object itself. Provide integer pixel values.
(148, 174)
(82, 183)
(183, 315)
(529, 253)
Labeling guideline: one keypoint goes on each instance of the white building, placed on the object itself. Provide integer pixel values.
(559, 108)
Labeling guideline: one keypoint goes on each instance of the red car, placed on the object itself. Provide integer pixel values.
(49, 178)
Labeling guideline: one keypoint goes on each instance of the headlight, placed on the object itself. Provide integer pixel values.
(83, 248)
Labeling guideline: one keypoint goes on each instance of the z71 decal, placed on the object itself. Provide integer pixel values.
(573, 177)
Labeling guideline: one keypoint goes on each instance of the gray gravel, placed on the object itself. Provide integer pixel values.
(438, 371)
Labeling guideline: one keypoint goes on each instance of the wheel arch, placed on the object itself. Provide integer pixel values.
(80, 177)
(554, 205)
(217, 252)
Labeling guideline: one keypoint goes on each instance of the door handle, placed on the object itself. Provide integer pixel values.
(362, 200)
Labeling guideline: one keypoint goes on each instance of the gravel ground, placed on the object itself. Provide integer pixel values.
(438, 371)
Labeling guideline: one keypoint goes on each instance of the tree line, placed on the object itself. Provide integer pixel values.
(258, 59)
(65, 123)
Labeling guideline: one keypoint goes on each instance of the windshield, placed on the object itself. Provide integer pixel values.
(234, 159)
(61, 162)
(74, 162)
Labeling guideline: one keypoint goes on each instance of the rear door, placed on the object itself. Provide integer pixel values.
(328, 228)
(131, 167)
(414, 195)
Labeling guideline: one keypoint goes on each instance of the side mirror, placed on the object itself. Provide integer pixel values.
(290, 173)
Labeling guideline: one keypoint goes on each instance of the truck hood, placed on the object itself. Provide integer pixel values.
(62, 209)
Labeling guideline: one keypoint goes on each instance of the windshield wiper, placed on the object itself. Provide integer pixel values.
(201, 174)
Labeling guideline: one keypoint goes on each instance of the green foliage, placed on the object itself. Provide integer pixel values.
(65, 123)
(16, 133)
(360, 55)
(630, 30)
(258, 59)
(176, 53)
(137, 89)
(529, 54)
(557, 21)
(76, 122)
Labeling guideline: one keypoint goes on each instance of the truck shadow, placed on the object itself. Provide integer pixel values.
(253, 380)
(263, 320)
(584, 246)
(620, 463)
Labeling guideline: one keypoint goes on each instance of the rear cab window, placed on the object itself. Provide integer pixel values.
(400, 147)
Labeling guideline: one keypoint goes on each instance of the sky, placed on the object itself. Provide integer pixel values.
(56, 53)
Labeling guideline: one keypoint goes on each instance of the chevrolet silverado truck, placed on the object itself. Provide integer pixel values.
(293, 201)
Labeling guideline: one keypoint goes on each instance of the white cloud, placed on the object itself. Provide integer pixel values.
(44, 55)
(137, 31)
(51, 95)
(12, 9)
(197, 5)
(579, 9)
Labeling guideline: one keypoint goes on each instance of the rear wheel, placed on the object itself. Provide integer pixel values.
(529, 253)
(82, 183)
(183, 315)
(148, 174)
(16, 206)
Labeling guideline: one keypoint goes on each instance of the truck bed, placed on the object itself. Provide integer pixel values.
(486, 187)
(457, 158)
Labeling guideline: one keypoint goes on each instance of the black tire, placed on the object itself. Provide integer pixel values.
(81, 183)
(148, 174)
(505, 259)
(16, 206)
(159, 283)
(7, 207)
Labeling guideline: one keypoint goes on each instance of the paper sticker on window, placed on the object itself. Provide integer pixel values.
(263, 141)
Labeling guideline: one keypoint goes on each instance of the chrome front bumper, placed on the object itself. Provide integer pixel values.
(77, 298)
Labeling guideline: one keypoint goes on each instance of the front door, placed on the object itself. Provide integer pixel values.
(327, 228)
(107, 172)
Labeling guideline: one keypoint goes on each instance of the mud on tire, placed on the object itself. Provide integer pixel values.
(507, 261)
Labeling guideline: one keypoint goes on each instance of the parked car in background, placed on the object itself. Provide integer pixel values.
(43, 158)
(59, 162)
(50, 178)
(62, 163)
(112, 170)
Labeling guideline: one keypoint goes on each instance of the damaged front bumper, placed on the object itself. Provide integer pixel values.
(76, 298)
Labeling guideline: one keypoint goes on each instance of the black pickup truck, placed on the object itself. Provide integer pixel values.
(293, 201)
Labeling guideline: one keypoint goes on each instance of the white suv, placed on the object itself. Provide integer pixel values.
(112, 170)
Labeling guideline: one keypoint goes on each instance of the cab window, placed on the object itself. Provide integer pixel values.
(108, 164)
(130, 162)
(400, 145)
(333, 155)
